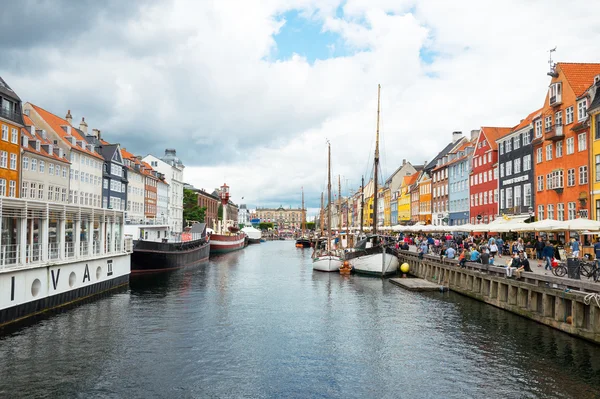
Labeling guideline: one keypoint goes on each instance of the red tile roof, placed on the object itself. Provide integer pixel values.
(494, 133)
(527, 120)
(31, 146)
(56, 122)
(580, 76)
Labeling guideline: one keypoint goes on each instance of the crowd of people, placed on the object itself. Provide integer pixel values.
(485, 250)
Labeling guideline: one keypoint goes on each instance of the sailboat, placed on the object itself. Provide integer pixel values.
(373, 254)
(303, 241)
(326, 259)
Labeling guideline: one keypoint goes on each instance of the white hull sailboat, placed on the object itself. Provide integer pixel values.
(374, 254)
(327, 259)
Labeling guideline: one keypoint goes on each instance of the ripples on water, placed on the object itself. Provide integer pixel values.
(260, 323)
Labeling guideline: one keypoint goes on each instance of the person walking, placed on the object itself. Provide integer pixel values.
(575, 247)
(548, 254)
(539, 247)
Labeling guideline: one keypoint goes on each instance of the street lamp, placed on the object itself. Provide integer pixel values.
(530, 211)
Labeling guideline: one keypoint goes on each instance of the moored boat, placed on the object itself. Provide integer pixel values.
(155, 251)
(222, 243)
(254, 235)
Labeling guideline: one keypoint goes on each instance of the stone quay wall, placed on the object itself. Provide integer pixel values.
(557, 302)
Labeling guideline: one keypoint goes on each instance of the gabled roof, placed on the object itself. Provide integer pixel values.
(494, 133)
(147, 170)
(527, 120)
(579, 75)
(7, 92)
(445, 151)
(32, 139)
(56, 124)
(596, 100)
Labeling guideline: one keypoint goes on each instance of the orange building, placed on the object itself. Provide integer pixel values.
(424, 183)
(561, 153)
(11, 122)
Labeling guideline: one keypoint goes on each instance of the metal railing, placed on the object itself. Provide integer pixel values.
(69, 250)
(83, 248)
(13, 116)
(34, 253)
(9, 255)
(53, 251)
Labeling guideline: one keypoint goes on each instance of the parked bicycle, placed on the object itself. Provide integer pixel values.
(590, 270)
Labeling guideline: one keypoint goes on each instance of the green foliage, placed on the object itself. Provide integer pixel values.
(191, 210)
(310, 225)
(220, 212)
(265, 226)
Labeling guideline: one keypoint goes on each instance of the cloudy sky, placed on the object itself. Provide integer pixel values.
(249, 91)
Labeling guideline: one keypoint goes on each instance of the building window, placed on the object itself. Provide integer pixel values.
(527, 162)
(50, 168)
(540, 214)
(3, 159)
(25, 163)
(555, 179)
(560, 211)
(40, 191)
(508, 168)
(5, 137)
(559, 149)
(571, 177)
(550, 211)
(558, 118)
(25, 190)
(597, 167)
(569, 115)
(501, 170)
(13, 161)
(508, 146)
(42, 166)
(548, 123)
(517, 141)
(538, 128)
(527, 138)
(509, 197)
(501, 147)
(33, 191)
(502, 199)
(549, 152)
(581, 142)
(582, 110)
(517, 165)
(571, 210)
(14, 136)
(64, 195)
(583, 175)
(570, 145)
(597, 209)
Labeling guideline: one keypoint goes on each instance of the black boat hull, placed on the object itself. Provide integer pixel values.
(303, 243)
(152, 257)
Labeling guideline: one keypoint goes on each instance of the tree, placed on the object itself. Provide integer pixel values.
(191, 210)
(310, 225)
(265, 225)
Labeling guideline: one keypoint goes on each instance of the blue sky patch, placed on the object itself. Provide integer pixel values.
(305, 37)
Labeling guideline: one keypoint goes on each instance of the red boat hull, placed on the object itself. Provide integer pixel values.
(221, 243)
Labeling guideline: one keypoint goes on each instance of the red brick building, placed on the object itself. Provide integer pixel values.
(483, 182)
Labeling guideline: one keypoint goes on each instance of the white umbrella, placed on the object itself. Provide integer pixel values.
(543, 225)
(582, 224)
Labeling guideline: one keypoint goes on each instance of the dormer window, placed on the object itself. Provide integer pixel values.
(582, 110)
(555, 93)
(25, 141)
(50, 149)
(38, 144)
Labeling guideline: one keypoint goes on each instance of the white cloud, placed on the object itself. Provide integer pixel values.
(200, 77)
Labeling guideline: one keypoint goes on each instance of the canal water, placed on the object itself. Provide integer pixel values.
(261, 324)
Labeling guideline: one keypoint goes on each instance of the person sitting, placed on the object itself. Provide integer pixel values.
(521, 264)
(475, 255)
(491, 261)
(462, 259)
(450, 253)
(510, 265)
(484, 258)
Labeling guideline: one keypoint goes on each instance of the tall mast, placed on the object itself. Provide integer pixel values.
(339, 203)
(376, 166)
(362, 202)
(328, 196)
(322, 212)
(303, 214)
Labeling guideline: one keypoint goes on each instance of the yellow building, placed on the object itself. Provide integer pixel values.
(387, 210)
(11, 122)
(404, 198)
(594, 115)
(368, 211)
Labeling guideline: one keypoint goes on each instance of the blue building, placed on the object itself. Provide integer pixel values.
(458, 184)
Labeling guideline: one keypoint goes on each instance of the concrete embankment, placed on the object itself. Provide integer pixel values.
(565, 304)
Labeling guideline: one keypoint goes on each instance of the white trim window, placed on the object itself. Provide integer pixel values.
(569, 115)
(540, 212)
(502, 199)
(582, 110)
(559, 149)
(583, 174)
(527, 194)
(501, 147)
(550, 211)
(517, 190)
(5, 138)
(517, 141)
(560, 211)
(540, 183)
(527, 162)
(538, 128)
(517, 165)
(3, 187)
(501, 170)
(25, 163)
(549, 152)
(13, 161)
(14, 138)
(25, 190)
(50, 168)
(571, 210)
(508, 146)
(42, 166)
(548, 123)
(570, 145)
(509, 197)
(12, 189)
(508, 168)
(581, 141)
(570, 177)
(33, 165)
(538, 155)
(558, 118)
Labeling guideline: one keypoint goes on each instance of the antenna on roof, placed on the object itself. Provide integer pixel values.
(552, 64)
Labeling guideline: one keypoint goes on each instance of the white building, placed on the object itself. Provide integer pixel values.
(243, 215)
(162, 203)
(85, 184)
(135, 189)
(172, 168)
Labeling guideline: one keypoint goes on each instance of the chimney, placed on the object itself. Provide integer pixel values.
(69, 118)
(474, 134)
(403, 162)
(456, 136)
(83, 126)
(96, 133)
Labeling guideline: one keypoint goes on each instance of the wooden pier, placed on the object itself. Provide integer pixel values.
(417, 284)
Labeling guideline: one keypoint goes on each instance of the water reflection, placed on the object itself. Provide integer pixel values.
(261, 323)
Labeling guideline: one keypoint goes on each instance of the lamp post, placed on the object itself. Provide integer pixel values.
(530, 211)
(224, 201)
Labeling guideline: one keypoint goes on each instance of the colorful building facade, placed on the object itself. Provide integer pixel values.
(594, 115)
(11, 122)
